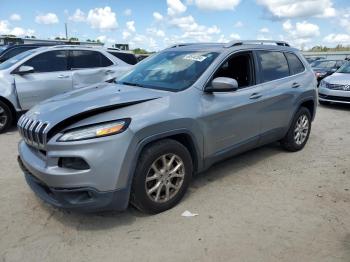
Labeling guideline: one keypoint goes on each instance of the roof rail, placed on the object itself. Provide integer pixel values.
(257, 42)
(187, 44)
(70, 46)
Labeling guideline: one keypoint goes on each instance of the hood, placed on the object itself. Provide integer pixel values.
(90, 100)
(339, 79)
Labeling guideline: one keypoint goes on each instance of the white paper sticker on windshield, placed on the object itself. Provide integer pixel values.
(198, 58)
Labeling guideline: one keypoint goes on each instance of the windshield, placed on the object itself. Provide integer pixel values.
(324, 64)
(345, 69)
(169, 70)
(10, 62)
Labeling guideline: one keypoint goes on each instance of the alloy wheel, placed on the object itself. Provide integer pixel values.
(165, 178)
(3, 117)
(301, 129)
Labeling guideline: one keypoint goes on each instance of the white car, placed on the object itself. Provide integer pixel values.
(38, 74)
(336, 88)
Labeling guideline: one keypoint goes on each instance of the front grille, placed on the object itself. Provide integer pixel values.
(335, 98)
(34, 132)
(338, 87)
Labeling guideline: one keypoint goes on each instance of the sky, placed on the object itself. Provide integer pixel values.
(156, 24)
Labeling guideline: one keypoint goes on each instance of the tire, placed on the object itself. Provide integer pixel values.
(151, 166)
(292, 142)
(6, 117)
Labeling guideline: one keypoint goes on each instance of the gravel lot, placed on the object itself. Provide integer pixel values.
(265, 205)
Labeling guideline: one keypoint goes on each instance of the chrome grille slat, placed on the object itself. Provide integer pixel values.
(34, 132)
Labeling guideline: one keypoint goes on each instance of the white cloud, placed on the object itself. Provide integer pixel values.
(15, 17)
(299, 8)
(344, 19)
(235, 36)
(47, 19)
(217, 5)
(78, 16)
(102, 18)
(102, 38)
(6, 29)
(264, 30)
(130, 25)
(127, 12)
(192, 31)
(155, 32)
(238, 24)
(157, 16)
(175, 7)
(126, 34)
(300, 33)
(336, 39)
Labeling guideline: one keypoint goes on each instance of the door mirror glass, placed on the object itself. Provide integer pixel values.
(223, 84)
(25, 70)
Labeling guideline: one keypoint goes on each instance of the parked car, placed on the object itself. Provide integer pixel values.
(314, 58)
(125, 56)
(172, 115)
(9, 51)
(336, 88)
(38, 74)
(324, 68)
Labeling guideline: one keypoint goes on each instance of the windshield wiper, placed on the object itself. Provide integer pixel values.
(130, 84)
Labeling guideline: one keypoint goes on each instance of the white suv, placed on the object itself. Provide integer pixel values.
(39, 74)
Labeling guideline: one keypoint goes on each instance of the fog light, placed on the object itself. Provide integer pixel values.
(73, 163)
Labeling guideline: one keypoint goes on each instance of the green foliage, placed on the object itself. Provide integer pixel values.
(320, 48)
(140, 51)
(73, 39)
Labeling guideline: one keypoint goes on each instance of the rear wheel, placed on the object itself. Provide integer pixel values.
(162, 176)
(6, 117)
(299, 131)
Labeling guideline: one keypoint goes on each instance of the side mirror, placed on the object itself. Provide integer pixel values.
(22, 70)
(223, 84)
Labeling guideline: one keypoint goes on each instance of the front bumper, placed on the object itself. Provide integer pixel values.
(104, 185)
(80, 199)
(334, 96)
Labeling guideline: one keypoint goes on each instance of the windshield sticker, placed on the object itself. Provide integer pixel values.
(198, 58)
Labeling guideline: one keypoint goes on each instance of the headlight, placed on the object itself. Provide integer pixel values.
(94, 131)
(323, 84)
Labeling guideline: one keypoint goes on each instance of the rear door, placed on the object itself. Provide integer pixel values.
(51, 77)
(90, 67)
(280, 86)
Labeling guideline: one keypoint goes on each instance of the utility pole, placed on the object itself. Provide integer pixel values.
(65, 26)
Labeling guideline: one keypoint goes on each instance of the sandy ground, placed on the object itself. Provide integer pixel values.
(265, 205)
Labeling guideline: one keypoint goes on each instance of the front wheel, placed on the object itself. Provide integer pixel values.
(162, 176)
(299, 131)
(5, 117)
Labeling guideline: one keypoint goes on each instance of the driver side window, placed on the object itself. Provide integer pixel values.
(239, 67)
(51, 61)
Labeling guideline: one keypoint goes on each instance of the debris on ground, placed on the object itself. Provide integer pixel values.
(188, 214)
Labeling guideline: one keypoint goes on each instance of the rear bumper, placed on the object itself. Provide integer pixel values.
(82, 199)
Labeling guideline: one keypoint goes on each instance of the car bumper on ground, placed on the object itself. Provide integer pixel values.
(334, 96)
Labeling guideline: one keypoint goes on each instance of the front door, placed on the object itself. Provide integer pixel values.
(50, 77)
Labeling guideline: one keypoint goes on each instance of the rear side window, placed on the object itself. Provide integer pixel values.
(273, 65)
(127, 58)
(295, 65)
(88, 59)
(14, 51)
(51, 61)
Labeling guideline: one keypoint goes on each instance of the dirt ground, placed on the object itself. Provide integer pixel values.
(264, 205)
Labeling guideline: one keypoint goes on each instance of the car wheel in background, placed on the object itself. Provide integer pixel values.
(299, 131)
(162, 176)
(5, 117)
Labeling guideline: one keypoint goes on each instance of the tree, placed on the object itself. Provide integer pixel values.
(73, 39)
(140, 51)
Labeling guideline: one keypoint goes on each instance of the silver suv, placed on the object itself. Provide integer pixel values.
(174, 114)
(38, 74)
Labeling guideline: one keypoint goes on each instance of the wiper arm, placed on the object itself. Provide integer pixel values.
(130, 84)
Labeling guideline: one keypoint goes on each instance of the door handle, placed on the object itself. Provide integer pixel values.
(255, 96)
(62, 76)
(109, 72)
(295, 85)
